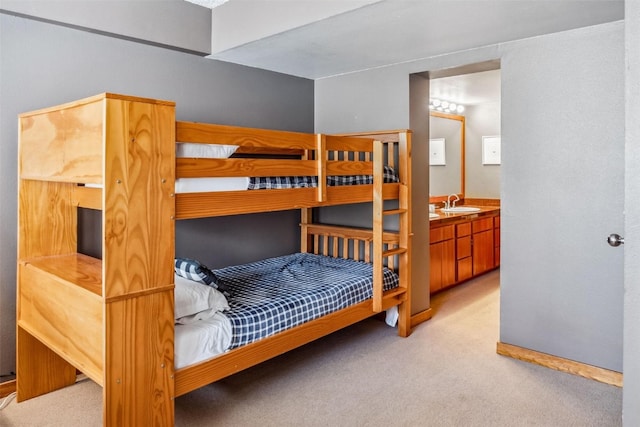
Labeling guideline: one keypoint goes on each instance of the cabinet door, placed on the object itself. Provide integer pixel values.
(483, 251)
(435, 259)
(464, 264)
(496, 241)
(448, 263)
(464, 269)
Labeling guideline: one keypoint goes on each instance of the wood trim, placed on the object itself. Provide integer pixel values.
(481, 202)
(421, 317)
(6, 388)
(560, 364)
(463, 156)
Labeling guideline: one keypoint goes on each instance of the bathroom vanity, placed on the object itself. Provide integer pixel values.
(463, 245)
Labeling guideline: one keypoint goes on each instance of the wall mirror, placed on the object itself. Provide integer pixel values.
(447, 178)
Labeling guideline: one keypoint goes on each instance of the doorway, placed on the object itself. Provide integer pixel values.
(464, 125)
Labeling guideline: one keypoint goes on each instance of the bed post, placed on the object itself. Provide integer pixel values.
(406, 230)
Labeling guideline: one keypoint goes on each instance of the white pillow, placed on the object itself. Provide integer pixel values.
(211, 151)
(196, 300)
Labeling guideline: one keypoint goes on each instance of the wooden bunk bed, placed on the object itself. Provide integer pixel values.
(112, 318)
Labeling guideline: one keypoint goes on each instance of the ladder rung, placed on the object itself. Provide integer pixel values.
(392, 293)
(394, 211)
(395, 251)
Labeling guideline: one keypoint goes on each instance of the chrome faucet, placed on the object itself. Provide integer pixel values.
(448, 204)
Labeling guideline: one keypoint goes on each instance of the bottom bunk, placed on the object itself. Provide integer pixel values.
(232, 318)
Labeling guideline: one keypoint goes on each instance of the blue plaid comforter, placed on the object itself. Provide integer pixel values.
(276, 294)
(280, 182)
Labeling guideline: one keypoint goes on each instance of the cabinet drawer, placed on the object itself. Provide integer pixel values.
(441, 233)
(482, 224)
(463, 229)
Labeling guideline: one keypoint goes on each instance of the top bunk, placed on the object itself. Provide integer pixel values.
(228, 170)
(218, 169)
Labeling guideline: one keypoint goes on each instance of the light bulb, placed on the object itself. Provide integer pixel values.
(460, 108)
(452, 106)
(436, 102)
(445, 104)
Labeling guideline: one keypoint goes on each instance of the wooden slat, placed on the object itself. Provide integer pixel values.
(87, 197)
(199, 205)
(341, 167)
(321, 168)
(194, 168)
(378, 226)
(198, 375)
(242, 136)
(358, 194)
(342, 143)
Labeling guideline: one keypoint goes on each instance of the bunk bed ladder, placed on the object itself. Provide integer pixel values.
(388, 250)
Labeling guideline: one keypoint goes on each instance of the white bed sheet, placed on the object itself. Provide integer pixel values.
(198, 185)
(201, 340)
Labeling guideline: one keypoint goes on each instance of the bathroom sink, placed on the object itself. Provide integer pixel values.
(460, 209)
(433, 215)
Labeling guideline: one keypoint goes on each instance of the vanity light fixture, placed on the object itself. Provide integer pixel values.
(445, 106)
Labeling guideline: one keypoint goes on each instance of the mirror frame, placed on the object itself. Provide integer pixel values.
(461, 119)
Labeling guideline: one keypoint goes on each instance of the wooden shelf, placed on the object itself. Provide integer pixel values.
(77, 269)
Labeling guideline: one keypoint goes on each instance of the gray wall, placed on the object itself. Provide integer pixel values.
(174, 24)
(562, 194)
(631, 409)
(482, 181)
(44, 65)
(446, 179)
(554, 297)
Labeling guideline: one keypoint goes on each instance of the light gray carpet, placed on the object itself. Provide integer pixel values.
(447, 373)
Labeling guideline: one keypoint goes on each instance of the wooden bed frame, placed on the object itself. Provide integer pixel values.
(112, 319)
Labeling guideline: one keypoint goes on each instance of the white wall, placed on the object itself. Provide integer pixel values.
(554, 298)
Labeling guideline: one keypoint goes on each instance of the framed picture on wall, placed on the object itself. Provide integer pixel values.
(437, 152)
(491, 150)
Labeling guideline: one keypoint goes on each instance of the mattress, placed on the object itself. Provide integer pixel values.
(197, 185)
(273, 295)
(277, 294)
(201, 340)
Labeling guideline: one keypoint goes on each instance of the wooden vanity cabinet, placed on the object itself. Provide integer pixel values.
(442, 258)
(464, 249)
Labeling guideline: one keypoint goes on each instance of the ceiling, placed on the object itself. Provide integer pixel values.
(372, 34)
(468, 89)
